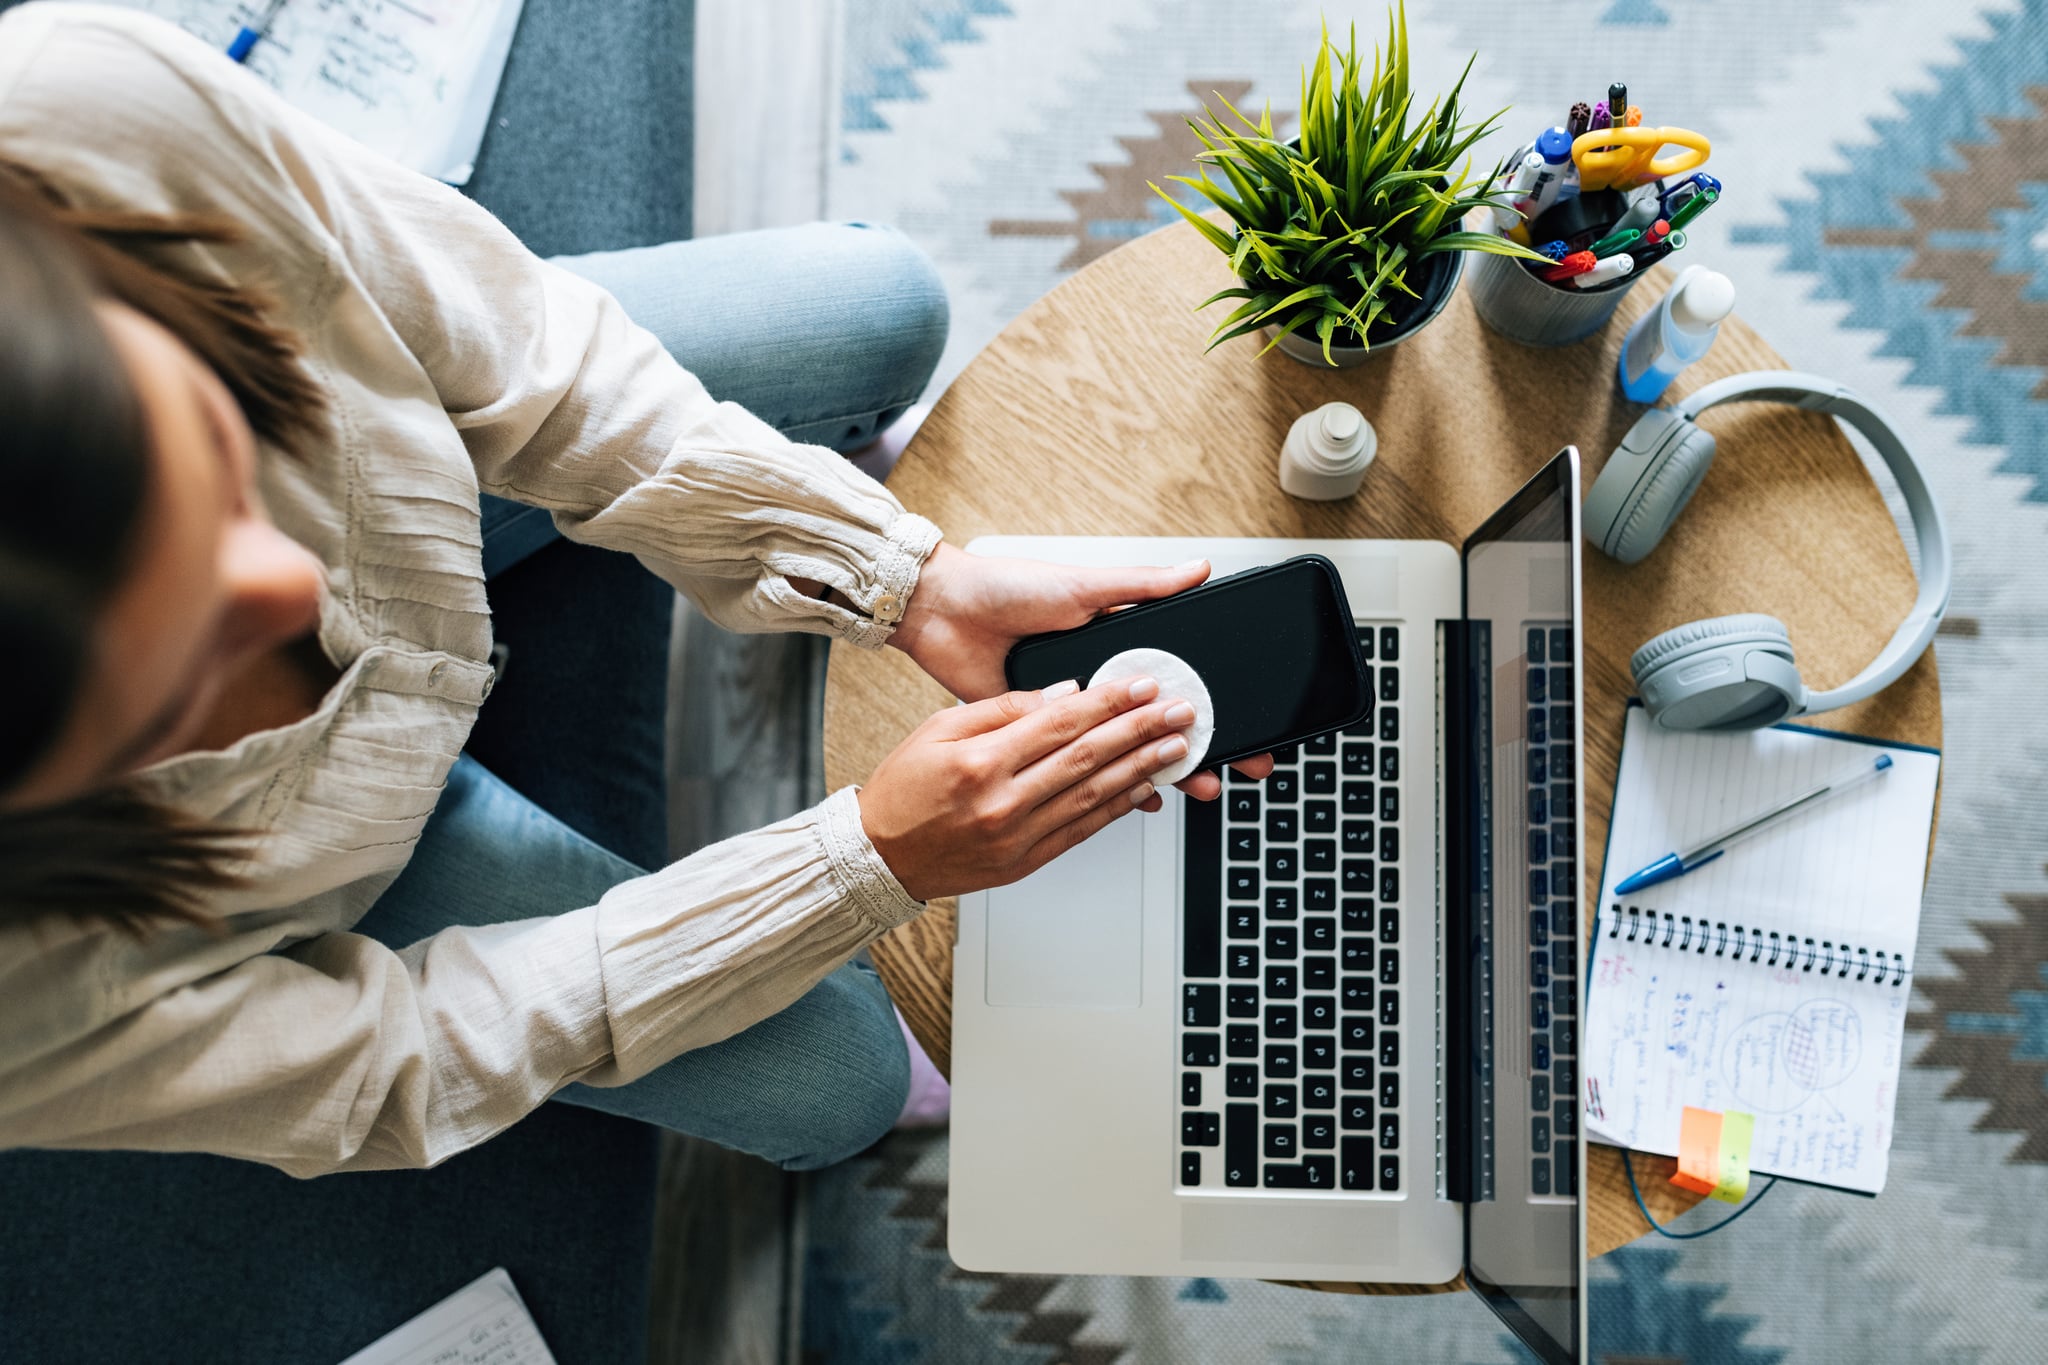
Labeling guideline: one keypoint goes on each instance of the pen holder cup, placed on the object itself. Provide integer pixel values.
(1534, 311)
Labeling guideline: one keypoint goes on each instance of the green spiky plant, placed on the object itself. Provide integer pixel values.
(1328, 230)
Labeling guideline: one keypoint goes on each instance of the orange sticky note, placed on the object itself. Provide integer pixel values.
(1732, 1181)
(1699, 1151)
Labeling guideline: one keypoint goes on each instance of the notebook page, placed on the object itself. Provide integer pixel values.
(483, 1323)
(413, 79)
(1691, 1001)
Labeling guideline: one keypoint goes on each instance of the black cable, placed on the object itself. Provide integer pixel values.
(1663, 1231)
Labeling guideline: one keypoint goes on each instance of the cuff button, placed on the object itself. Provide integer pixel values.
(888, 609)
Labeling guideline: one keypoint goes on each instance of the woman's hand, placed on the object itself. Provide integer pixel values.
(984, 794)
(969, 609)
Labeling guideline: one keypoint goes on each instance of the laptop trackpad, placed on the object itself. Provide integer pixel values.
(1067, 936)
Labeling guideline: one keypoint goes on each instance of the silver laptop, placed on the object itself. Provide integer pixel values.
(1325, 1027)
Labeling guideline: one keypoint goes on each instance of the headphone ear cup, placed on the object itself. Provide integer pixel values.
(1726, 673)
(1662, 494)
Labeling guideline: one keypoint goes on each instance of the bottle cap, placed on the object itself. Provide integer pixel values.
(1704, 298)
(1555, 145)
(1340, 423)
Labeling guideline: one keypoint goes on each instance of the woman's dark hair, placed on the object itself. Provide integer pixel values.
(74, 477)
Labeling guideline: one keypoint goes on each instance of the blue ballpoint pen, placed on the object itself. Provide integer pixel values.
(1678, 864)
(252, 34)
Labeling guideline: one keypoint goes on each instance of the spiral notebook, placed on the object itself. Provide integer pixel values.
(1775, 980)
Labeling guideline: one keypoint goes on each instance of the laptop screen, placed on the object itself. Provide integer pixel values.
(1523, 1235)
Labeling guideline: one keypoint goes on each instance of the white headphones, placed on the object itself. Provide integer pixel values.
(1737, 672)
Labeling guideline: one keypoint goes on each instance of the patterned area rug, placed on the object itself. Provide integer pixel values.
(1886, 223)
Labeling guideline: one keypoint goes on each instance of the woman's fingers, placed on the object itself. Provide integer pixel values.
(1007, 708)
(1126, 779)
(1258, 768)
(1091, 822)
(1058, 723)
(1101, 589)
(1103, 757)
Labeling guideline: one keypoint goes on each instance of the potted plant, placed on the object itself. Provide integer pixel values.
(1351, 234)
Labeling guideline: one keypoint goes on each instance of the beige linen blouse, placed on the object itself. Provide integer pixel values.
(454, 360)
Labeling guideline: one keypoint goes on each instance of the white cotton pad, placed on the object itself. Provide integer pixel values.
(1177, 682)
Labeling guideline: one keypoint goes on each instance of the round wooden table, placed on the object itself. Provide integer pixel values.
(1096, 413)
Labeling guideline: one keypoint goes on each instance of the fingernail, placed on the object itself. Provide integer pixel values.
(1061, 689)
(1144, 689)
(1191, 566)
(1173, 750)
(1179, 714)
(1142, 793)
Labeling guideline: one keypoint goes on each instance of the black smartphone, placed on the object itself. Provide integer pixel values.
(1275, 646)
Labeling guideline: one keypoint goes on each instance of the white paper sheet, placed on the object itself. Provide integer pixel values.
(1773, 981)
(483, 1323)
(413, 79)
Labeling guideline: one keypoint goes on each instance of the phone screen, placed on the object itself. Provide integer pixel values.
(1275, 647)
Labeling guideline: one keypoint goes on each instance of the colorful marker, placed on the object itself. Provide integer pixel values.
(1578, 263)
(1610, 269)
(1580, 118)
(252, 34)
(1693, 208)
(1615, 241)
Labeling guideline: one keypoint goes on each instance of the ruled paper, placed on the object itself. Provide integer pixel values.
(483, 1323)
(1773, 981)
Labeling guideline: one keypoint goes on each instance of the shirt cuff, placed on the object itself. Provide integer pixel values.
(908, 543)
(863, 878)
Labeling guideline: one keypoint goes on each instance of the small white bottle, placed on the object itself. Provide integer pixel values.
(1326, 452)
(1675, 333)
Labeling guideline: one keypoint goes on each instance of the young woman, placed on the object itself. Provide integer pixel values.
(253, 381)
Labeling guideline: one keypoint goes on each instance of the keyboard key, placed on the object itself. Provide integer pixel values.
(1318, 1132)
(1240, 1144)
(1390, 805)
(1567, 1171)
(1200, 1130)
(1566, 1115)
(1279, 1104)
(1535, 644)
(1283, 826)
(1563, 1036)
(1191, 1087)
(1281, 1021)
(1242, 961)
(1358, 760)
(1201, 1049)
(1390, 924)
(1390, 845)
(1279, 1062)
(1539, 1010)
(1286, 755)
(1319, 1092)
(1358, 798)
(1560, 679)
(1319, 1012)
(1356, 1035)
(1539, 885)
(1356, 955)
(1201, 908)
(1539, 767)
(1390, 1173)
(1283, 864)
(1539, 1056)
(1390, 1048)
(1560, 644)
(1390, 883)
(1539, 846)
(1356, 1073)
(1242, 883)
(1539, 970)
(1390, 1008)
(1390, 763)
(1242, 921)
(1564, 877)
(1319, 974)
(1356, 1164)
(1201, 1006)
(1242, 803)
(1357, 995)
(1241, 1002)
(1241, 1040)
(1319, 779)
(1355, 1114)
(1319, 817)
(1279, 1140)
(1357, 840)
(1319, 935)
(1318, 1052)
(1539, 1093)
(1538, 732)
(1357, 915)
(1390, 723)
(1390, 643)
(1190, 1168)
(1564, 957)
(1539, 1134)
(1390, 966)
(1241, 844)
(1320, 746)
(1539, 807)
(1390, 1090)
(1319, 896)
(1539, 928)
(1319, 855)
(1280, 983)
(1390, 1131)
(1282, 902)
(1539, 1175)
(1318, 1173)
(1562, 997)
(1539, 687)
(1241, 1082)
(1283, 787)
(1281, 941)
(1280, 1177)
(1357, 877)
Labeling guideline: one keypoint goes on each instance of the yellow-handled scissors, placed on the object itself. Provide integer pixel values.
(1622, 158)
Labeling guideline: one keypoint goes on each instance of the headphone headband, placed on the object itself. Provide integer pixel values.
(1929, 531)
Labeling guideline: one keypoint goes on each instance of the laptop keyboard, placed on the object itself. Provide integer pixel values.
(1290, 1039)
(1553, 912)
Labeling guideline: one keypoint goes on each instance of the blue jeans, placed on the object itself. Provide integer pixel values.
(827, 332)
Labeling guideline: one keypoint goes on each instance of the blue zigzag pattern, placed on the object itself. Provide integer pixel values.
(904, 45)
(1992, 79)
(1645, 1314)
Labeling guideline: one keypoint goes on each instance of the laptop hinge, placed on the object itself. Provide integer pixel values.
(1468, 918)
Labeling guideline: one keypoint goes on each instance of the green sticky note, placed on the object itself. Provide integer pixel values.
(1733, 1163)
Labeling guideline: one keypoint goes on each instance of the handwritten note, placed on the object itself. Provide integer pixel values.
(1773, 982)
(483, 1323)
(413, 79)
